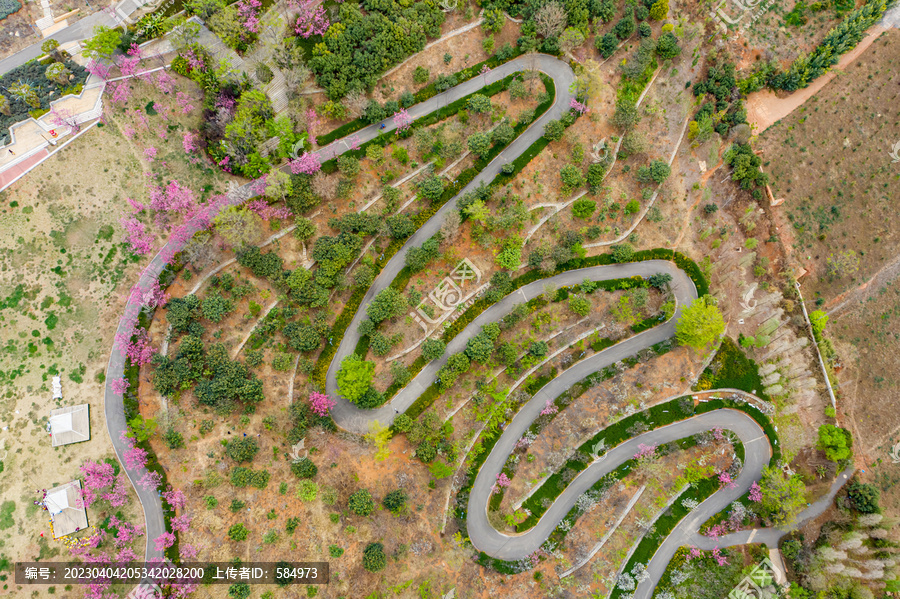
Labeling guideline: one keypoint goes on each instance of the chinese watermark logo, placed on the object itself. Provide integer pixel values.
(758, 584)
(748, 12)
(895, 450)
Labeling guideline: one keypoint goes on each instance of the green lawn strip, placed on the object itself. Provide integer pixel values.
(426, 93)
(131, 408)
(732, 369)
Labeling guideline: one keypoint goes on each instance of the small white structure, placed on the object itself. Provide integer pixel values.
(71, 424)
(62, 502)
(57, 388)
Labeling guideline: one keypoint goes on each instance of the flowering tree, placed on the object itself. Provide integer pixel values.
(189, 142)
(579, 107)
(320, 404)
(175, 498)
(96, 67)
(119, 386)
(311, 19)
(128, 66)
(118, 495)
(725, 480)
(135, 458)
(187, 552)
(63, 117)
(502, 482)
(312, 123)
(164, 82)
(248, 14)
(173, 198)
(181, 523)
(307, 164)
(402, 120)
(150, 153)
(121, 93)
(150, 480)
(97, 475)
(755, 492)
(549, 409)
(125, 533)
(645, 452)
(184, 101)
(137, 237)
(721, 560)
(164, 541)
(136, 347)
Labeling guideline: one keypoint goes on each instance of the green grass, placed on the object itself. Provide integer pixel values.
(732, 369)
(6, 512)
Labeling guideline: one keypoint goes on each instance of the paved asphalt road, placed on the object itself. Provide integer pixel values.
(345, 414)
(349, 417)
(113, 403)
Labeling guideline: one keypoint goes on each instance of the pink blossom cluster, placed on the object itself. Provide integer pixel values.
(189, 142)
(225, 102)
(136, 236)
(121, 93)
(307, 164)
(755, 492)
(119, 386)
(118, 495)
(150, 153)
(165, 82)
(579, 107)
(248, 14)
(502, 482)
(320, 404)
(175, 498)
(402, 120)
(98, 68)
(181, 523)
(173, 198)
(645, 452)
(184, 101)
(718, 434)
(134, 50)
(312, 123)
(126, 532)
(725, 480)
(136, 346)
(164, 541)
(549, 409)
(128, 66)
(721, 560)
(195, 61)
(311, 18)
(135, 457)
(97, 475)
(150, 480)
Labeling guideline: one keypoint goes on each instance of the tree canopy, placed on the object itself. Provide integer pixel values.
(700, 323)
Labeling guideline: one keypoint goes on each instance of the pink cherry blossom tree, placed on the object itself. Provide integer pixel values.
(307, 164)
(118, 495)
(164, 541)
(175, 498)
(501, 483)
(311, 18)
(579, 107)
(164, 82)
(248, 14)
(150, 480)
(136, 236)
(645, 452)
(549, 409)
(97, 475)
(312, 123)
(135, 458)
(755, 492)
(320, 403)
(402, 120)
(119, 386)
(181, 523)
(136, 347)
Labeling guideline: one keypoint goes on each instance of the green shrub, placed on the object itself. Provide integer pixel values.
(361, 503)
(242, 450)
(374, 559)
(583, 208)
(238, 532)
(304, 468)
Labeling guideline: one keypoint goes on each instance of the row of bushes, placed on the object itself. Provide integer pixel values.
(427, 92)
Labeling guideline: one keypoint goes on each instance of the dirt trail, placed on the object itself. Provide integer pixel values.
(889, 271)
(764, 108)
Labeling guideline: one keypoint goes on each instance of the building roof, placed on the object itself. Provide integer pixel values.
(62, 502)
(71, 424)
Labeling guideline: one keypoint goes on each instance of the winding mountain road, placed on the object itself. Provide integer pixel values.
(349, 417)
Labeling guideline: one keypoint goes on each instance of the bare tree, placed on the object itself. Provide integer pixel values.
(324, 186)
(356, 103)
(450, 226)
(550, 20)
